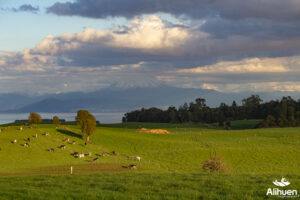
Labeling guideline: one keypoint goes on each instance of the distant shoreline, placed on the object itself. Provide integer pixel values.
(109, 118)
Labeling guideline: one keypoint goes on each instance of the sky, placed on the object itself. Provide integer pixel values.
(85, 45)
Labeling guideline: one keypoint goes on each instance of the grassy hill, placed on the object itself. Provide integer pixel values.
(258, 156)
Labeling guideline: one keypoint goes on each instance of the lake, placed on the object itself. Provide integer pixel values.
(105, 118)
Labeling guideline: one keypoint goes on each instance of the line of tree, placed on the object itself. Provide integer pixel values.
(275, 113)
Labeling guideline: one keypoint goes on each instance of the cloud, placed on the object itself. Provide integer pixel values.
(154, 40)
(252, 74)
(287, 10)
(150, 39)
(260, 29)
(244, 28)
(149, 52)
(27, 8)
(149, 33)
(252, 65)
(287, 86)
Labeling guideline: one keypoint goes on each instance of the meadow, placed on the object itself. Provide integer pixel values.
(171, 165)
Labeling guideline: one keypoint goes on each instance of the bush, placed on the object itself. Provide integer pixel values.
(215, 164)
(227, 125)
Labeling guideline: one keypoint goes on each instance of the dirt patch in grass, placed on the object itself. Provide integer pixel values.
(153, 131)
(66, 169)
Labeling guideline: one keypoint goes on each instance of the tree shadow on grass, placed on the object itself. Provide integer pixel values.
(70, 133)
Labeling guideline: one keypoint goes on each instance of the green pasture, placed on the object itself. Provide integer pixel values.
(171, 165)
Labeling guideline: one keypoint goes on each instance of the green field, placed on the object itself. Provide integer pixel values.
(171, 165)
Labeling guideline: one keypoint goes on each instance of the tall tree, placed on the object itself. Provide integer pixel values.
(56, 120)
(282, 121)
(81, 116)
(34, 118)
(291, 116)
(251, 106)
(88, 126)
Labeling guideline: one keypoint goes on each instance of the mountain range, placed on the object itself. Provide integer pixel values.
(122, 100)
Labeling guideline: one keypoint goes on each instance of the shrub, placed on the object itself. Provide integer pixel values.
(215, 164)
(227, 125)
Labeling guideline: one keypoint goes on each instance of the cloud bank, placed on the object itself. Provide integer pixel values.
(151, 51)
(287, 10)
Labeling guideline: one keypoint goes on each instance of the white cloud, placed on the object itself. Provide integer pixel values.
(148, 33)
(209, 87)
(258, 87)
(2, 62)
(252, 65)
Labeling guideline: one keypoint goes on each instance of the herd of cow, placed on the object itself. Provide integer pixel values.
(75, 154)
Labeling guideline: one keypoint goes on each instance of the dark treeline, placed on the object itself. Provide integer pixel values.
(285, 112)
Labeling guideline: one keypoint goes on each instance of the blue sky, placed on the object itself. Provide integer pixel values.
(22, 30)
(84, 45)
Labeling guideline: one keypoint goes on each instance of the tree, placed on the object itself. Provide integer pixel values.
(88, 126)
(298, 118)
(34, 118)
(282, 121)
(56, 121)
(81, 116)
(291, 116)
(172, 114)
(251, 106)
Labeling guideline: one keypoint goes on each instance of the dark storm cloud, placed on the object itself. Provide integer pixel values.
(286, 10)
(129, 8)
(26, 8)
(258, 29)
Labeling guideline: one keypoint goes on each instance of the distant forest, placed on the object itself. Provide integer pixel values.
(275, 113)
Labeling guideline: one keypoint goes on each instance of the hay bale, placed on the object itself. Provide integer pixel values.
(215, 164)
(154, 131)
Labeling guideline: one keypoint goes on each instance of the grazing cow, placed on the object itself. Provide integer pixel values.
(28, 139)
(81, 155)
(14, 141)
(73, 142)
(26, 144)
(51, 149)
(21, 128)
(35, 135)
(46, 134)
(66, 140)
(132, 166)
(138, 158)
(95, 159)
(62, 147)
